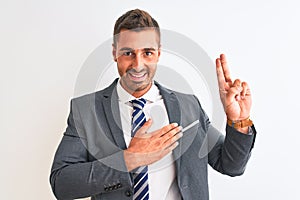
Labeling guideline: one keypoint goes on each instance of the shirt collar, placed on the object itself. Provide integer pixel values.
(152, 95)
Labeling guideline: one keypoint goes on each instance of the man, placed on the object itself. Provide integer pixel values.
(109, 150)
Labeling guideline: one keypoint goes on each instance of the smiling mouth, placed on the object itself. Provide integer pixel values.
(138, 77)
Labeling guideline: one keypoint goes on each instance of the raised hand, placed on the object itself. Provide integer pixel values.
(235, 95)
(147, 148)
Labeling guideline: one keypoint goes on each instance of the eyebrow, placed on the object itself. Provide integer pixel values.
(130, 49)
(126, 49)
(149, 49)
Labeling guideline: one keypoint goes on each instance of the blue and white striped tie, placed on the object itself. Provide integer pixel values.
(140, 176)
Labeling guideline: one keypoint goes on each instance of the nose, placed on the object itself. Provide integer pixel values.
(138, 62)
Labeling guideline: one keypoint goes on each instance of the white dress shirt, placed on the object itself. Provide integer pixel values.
(161, 174)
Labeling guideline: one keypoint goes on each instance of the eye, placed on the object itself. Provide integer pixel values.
(148, 53)
(127, 53)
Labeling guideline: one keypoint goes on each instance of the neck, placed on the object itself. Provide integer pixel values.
(139, 93)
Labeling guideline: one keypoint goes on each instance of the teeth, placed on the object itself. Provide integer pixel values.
(138, 75)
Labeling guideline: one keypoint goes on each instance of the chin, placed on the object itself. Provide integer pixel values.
(137, 87)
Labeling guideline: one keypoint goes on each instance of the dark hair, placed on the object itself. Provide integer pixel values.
(136, 20)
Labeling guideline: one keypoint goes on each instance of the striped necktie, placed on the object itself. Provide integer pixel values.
(140, 176)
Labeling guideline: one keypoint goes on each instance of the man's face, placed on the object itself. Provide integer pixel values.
(137, 54)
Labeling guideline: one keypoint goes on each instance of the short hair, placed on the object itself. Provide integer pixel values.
(136, 20)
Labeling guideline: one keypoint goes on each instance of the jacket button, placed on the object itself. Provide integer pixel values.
(119, 185)
(128, 193)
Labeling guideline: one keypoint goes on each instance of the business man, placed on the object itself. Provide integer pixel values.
(110, 149)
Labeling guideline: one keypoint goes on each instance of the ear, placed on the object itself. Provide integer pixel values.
(158, 53)
(114, 52)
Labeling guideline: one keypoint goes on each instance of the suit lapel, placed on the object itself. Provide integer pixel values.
(172, 104)
(174, 113)
(112, 114)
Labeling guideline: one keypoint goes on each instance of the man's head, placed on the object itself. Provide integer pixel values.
(136, 49)
(136, 20)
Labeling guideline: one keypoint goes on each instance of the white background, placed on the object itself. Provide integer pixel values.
(43, 45)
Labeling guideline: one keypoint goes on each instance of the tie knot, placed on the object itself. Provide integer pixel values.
(138, 103)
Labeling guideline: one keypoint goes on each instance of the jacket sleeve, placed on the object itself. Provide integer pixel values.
(227, 154)
(75, 175)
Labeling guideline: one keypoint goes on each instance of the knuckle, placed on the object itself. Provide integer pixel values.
(245, 84)
(237, 82)
(173, 140)
(170, 134)
(167, 143)
(233, 90)
(178, 129)
(166, 128)
(179, 135)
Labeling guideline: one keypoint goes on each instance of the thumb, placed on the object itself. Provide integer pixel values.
(144, 128)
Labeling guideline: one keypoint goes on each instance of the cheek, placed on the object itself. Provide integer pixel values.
(121, 71)
(122, 68)
(152, 69)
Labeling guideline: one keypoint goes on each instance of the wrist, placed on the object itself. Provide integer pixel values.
(240, 125)
(129, 160)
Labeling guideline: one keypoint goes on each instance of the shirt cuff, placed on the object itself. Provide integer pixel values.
(250, 131)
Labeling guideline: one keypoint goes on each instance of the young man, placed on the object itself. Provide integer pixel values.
(108, 150)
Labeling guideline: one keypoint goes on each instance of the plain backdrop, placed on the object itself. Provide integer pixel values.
(43, 45)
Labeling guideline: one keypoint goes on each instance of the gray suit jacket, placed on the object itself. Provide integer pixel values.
(89, 160)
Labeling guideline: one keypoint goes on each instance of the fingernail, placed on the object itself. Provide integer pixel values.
(175, 124)
(180, 134)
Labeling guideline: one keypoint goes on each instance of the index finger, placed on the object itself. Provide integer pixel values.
(165, 130)
(223, 70)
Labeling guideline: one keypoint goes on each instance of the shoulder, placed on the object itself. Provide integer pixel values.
(96, 96)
